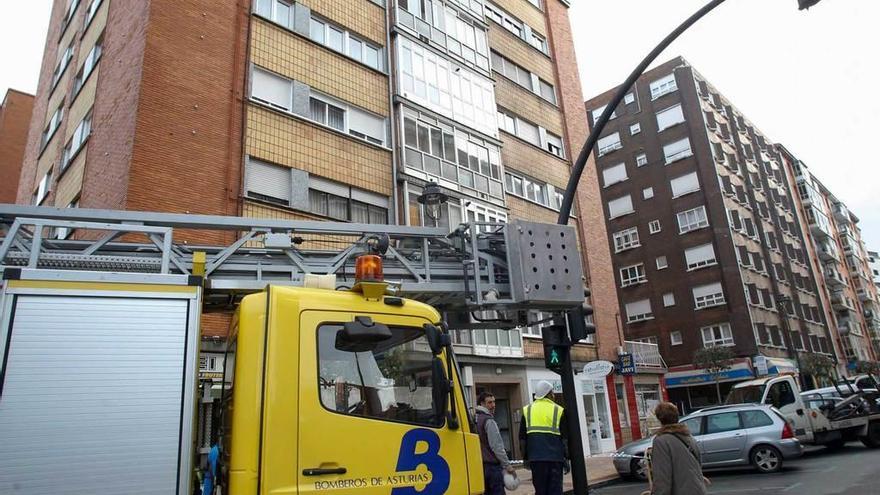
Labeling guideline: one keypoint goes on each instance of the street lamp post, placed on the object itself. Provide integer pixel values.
(579, 475)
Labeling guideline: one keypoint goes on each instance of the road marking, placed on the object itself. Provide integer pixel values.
(792, 486)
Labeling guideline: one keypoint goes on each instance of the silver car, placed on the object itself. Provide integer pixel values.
(728, 436)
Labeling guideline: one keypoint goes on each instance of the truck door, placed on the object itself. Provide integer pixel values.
(782, 396)
(367, 422)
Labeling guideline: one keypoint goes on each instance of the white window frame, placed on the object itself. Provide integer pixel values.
(616, 178)
(689, 224)
(662, 262)
(654, 226)
(598, 113)
(674, 110)
(675, 338)
(665, 85)
(680, 154)
(612, 215)
(626, 239)
(629, 98)
(641, 160)
(668, 299)
(647, 193)
(43, 188)
(709, 300)
(347, 38)
(719, 335)
(609, 143)
(635, 129)
(684, 179)
(637, 317)
(632, 275)
(701, 263)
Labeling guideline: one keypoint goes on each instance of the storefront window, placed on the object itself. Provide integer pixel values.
(647, 398)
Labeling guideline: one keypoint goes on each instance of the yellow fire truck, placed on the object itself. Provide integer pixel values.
(329, 381)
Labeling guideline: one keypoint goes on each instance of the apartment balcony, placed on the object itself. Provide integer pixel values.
(864, 295)
(646, 356)
(841, 213)
(833, 277)
(839, 301)
(827, 251)
(846, 326)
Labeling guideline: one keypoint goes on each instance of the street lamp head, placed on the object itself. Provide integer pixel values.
(433, 198)
(806, 4)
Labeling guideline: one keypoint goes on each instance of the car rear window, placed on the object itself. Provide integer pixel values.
(755, 419)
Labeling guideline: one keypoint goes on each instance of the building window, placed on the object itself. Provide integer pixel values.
(68, 15)
(537, 4)
(662, 262)
(668, 299)
(626, 239)
(278, 11)
(92, 10)
(700, 256)
(641, 160)
(675, 338)
(632, 275)
(614, 174)
(448, 28)
(89, 65)
(453, 154)
(663, 86)
(272, 90)
(629, 98)
(648, 193)
(692, 219)
(326, 113)
(342, 41)
(639, 311)
(77, 141)
(519, 127)
(717, 335)
(523, 77)
(531, 189)
(52, 126)
(598, 113)
(654, 226)
(63, 233)
(554, 145)
(635, 129)
(43, 188)
(707, 296)
(620, 206)
(456, 92)
(609, 143)
(678, 150)
(684, 184)
(516, 27)
(669, 117)
(61, 66)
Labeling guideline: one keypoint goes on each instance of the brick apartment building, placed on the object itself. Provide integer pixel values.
(15, 120)
(321, 109)
(842, 265)
(707, 244)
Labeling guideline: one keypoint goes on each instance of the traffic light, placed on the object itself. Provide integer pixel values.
(806, 4)
(556, 346)
(579, 327)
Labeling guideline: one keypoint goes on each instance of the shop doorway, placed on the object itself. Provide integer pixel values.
(597, 424)
(506, 402)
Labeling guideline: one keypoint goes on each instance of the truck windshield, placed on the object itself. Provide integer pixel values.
(392, 382)
(746, 395)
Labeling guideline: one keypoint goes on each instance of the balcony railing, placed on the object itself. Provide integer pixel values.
(645, 355)
(833, 277)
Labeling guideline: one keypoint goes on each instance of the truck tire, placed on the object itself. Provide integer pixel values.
(836, 444)
(872, 439)
(766, 459)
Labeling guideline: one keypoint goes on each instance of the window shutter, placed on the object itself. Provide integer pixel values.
(268, 180)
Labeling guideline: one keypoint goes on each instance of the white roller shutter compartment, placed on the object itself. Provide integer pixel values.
(92, 395)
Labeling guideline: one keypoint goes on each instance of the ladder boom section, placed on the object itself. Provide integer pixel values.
(502, 270)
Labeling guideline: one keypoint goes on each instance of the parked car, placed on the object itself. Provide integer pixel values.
(728, 436)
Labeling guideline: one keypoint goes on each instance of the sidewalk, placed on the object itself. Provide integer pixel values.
(599, 469)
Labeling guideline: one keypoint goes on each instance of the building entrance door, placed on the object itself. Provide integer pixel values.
(503, 412)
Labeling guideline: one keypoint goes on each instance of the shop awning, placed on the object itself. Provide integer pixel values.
(690, 377)
(774, 366)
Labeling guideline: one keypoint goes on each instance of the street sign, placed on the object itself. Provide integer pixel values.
(598, 369)
(626, 364)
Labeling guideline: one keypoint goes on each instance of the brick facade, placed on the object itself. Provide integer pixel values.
(15, 119)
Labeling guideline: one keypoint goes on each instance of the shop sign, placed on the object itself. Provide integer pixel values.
(626, 364)
(598, 369)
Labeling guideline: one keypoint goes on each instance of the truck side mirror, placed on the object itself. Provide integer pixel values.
(437, 340)
(441, 390)
(361, 335)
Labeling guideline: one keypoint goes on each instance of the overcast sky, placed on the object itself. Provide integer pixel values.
(805, 79)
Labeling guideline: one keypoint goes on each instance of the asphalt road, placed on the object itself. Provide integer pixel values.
(851, 470)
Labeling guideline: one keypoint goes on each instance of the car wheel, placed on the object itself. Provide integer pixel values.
(766, 459)
(638, 469)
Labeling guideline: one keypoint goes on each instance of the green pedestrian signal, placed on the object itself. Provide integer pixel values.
(554, 357)
(556, 345)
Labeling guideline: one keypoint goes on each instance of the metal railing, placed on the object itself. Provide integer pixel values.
(645, 355)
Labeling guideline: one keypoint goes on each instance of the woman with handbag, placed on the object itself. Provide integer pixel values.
(675, 457)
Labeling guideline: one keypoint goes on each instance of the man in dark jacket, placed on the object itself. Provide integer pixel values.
(491, 445)
(676, 466)
(543, 431)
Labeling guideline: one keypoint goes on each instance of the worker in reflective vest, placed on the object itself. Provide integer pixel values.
(543, 431)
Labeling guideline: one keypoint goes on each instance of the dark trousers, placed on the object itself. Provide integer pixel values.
(494, 478)
(547, 477)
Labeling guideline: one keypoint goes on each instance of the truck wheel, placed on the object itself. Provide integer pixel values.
(638, 469)
(766, 459)
(872, 439)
